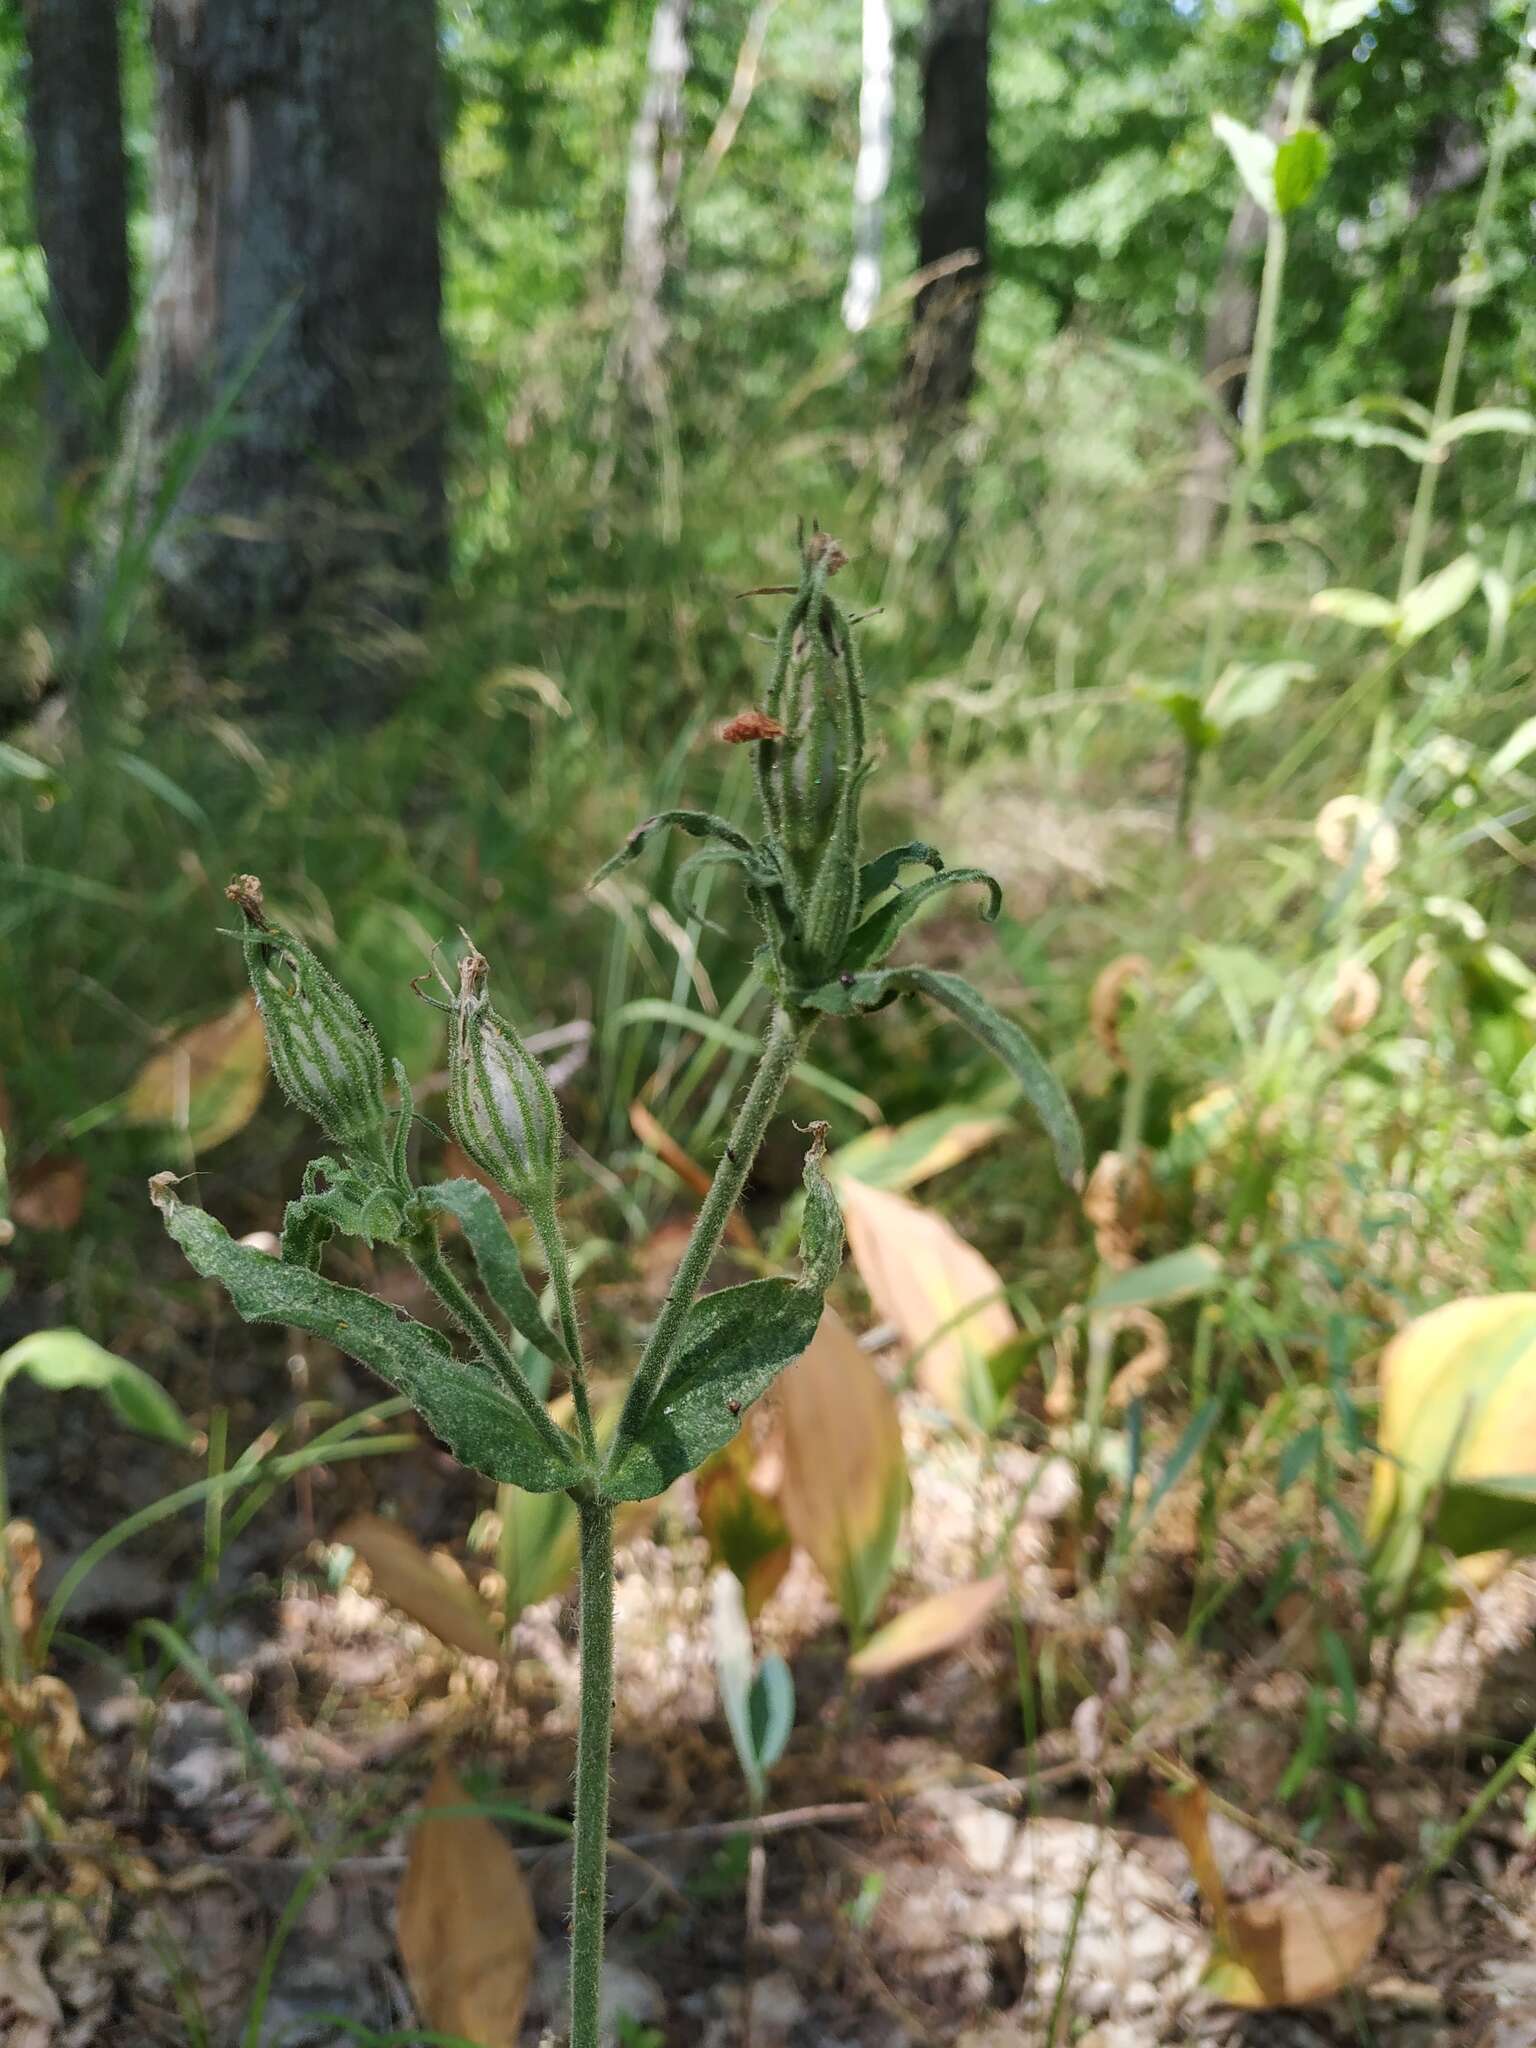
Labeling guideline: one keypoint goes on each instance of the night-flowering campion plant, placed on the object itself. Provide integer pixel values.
(829, 918)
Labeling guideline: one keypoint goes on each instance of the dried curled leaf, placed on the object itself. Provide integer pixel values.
(1293, 1946)
(1116, 1202)
(1109, 990)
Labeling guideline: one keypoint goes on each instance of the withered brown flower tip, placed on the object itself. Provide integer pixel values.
(751, 725)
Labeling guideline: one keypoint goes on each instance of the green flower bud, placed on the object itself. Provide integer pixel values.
(503, 1110)
(322, 1048)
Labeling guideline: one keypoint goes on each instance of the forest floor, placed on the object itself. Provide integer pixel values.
(925, 1876)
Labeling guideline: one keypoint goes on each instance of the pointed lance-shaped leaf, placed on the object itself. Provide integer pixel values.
(873, 939)
(882, 873)
(322, 1048)
(733, 1346)
(496, 1260)
(483, 1426)
(999, 1034)
(697, 824)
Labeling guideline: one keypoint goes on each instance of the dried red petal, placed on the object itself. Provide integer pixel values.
(751, 725)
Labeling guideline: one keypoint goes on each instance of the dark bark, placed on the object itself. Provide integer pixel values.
(79, 182)
(297, 193)
(954, 184)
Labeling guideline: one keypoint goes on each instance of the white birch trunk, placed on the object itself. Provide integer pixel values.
(872, 174)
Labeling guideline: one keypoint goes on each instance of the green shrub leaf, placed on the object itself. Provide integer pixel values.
(62, 1359)
(873, 939)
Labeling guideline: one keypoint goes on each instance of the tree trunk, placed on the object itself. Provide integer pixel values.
(296, 199)
(75, 123)
(872, 174)
(954, 181)
(650, 205)
(1224, 360)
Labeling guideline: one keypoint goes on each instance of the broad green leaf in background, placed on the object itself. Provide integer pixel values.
(1254, 155)
(1437, 598)
(460, 1402)
(1175, 1277)
(1252, 690)
(64, 1359)
(759, 1703)
(1301, 164)
(903, 1156)
(733, 1346)
(845, 1485)
(942, 1622)
(1354, 607)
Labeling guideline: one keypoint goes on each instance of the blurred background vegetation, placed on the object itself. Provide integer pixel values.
(403, 409)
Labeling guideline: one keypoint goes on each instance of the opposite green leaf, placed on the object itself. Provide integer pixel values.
(61, 1359)
(999, 1034)
(485, 1231)
(698, 824)
(1301, 164)
(1254, 155)
(881, 873)
(733, 1346)
(459, 1402)
(873, 939)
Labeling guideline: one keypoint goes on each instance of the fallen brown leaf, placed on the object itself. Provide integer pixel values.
(430, 1589)
(465, 1923)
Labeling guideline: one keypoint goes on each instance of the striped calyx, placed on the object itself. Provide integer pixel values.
(503, 1109)
(322, 1048)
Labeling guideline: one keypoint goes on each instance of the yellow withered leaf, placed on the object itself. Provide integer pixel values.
(1458, 1400)
(208, 1082)
(1294, 1946)
(942, 1295)
(845, 1481)
(743, 1526)
(465, 1923)
(431, 1590)
(934, 1625)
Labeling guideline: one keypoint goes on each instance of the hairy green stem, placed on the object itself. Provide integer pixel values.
(426, 1256)
(595, 1731)
(1416, 546)
(786, 1037)
(594, 1739)
(557, 1260)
